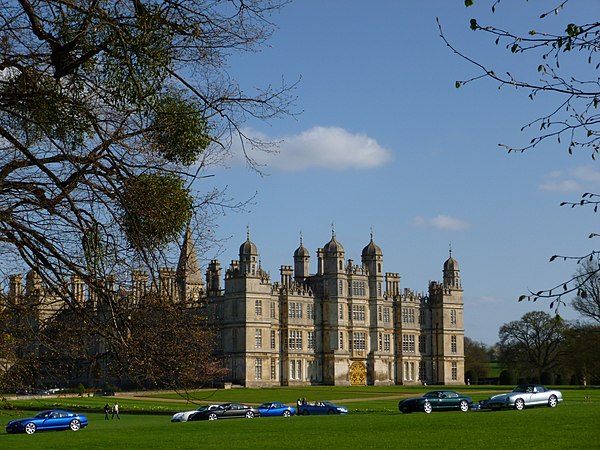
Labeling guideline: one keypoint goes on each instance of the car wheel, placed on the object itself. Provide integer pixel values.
(75, 425)
(552, 401)
(464, 406)
(30, 428)
(427, 407)
(286, 413)
(249, 414)
(212, 416)
(305, 413)
(330, 412)
(519, 404)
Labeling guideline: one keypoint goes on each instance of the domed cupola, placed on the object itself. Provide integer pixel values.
(451, 273)
(302, 251)
(248, 256)
(248, 248)
(333, 254)
(301, 262)
(372, 258)
(333, 246)
(451, 264)
(371, 250)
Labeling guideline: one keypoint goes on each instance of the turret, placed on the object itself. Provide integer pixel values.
(213, 277)
(249, 257)
(451, 273)
(301, 263)
(333, 254)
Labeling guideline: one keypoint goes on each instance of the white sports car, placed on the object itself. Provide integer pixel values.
(523, 396)
(183, 416)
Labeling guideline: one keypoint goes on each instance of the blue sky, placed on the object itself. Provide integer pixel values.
(386, 142)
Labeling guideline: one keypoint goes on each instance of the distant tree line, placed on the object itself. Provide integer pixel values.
(543, 348)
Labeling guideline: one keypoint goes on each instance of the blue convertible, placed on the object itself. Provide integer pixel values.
(271, 409)
(55, 419)
(325, 407)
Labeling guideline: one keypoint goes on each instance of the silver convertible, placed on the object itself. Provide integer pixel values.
(523, 396)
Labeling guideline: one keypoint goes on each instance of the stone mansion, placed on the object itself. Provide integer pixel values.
(346, 324)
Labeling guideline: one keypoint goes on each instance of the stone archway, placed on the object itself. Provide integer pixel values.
(358, 374)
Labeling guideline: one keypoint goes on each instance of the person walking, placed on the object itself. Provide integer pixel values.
(115, 410)
(106, 411)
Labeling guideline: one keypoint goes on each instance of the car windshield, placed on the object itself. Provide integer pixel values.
(265, 405)
(523, 388)
(327, 403)
(42, 415)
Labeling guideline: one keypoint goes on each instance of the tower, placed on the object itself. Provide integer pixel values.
(448, 325)
(301, 262)
(189, 275)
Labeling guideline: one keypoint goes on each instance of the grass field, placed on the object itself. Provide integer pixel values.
(373, 422)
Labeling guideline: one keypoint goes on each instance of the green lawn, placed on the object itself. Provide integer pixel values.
(370, 424)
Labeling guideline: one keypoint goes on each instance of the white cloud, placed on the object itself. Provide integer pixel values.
(322, 147)
(573, 180)
(561, 186)
(483, 300)
(442, 222)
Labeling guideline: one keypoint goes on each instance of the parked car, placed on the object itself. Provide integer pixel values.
(523, 396)
(270, 409)
(226, 411)
(184, 416)
(325, 407)
(54, 419)
(39, 392)
(104, 393)
(436, 400)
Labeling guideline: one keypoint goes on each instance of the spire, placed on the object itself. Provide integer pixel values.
(188, 266)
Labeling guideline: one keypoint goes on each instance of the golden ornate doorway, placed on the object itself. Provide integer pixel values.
(358, 374)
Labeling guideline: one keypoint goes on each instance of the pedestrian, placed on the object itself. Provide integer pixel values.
(115, 410)
(298, 403)
(106, 411)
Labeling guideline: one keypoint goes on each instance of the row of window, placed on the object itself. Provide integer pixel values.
(383, 314)
(409, 371)
(294, 341)
(295, 310)
(296, 370)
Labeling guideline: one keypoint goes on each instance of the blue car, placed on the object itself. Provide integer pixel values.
(55, 419)
(325, 407)
(271, 409)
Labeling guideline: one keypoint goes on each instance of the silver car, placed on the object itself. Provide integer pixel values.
(523, 396)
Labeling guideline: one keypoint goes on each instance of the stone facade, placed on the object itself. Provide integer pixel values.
(347, 324)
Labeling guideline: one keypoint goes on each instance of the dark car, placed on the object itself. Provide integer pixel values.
(436, 400)
(55, 419)
(326, 407)
(271, 409)
(104, 393)
(226, 411)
